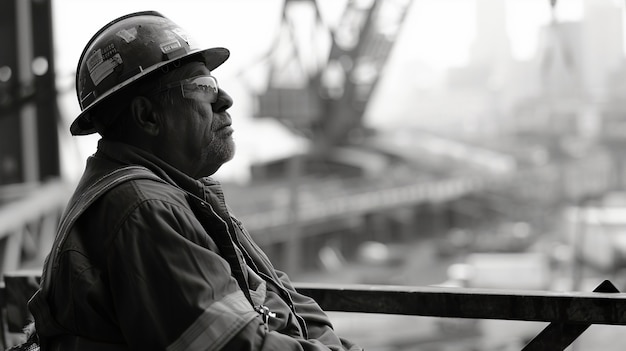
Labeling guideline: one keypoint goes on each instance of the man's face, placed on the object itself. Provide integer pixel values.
(198, 135)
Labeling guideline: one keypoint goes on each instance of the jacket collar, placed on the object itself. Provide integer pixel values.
(114, 154)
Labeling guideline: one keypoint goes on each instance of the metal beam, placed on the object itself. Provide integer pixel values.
(28, 111)
(558, 335)
(537, 306)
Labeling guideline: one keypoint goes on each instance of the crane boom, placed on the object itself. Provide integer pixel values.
(327, 97)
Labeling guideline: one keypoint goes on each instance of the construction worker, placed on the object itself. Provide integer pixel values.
(147, 255)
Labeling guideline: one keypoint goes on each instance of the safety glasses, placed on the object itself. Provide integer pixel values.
(203, 88)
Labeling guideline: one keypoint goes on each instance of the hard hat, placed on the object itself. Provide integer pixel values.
(127, 50)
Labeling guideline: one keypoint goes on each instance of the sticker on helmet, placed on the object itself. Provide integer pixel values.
(128, 35)
(99, 68)
(168, 34)
(94, 60)
(186, 37)
(170, 46)
(181, 33)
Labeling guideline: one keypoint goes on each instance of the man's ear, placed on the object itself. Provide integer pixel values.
(145, 116)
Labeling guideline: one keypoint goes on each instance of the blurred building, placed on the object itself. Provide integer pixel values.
(559, 89)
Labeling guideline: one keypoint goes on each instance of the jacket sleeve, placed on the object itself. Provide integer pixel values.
(321, 336)
(172, 290)
(317, 321)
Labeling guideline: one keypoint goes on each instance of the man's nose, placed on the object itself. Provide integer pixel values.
(223, 102)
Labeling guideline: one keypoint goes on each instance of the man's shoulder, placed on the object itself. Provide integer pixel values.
(120, 190)
(143, 190)
(143, 197)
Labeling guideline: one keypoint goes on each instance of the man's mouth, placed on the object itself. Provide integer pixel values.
(226, 128)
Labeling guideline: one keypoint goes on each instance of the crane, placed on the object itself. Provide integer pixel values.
(322, 72)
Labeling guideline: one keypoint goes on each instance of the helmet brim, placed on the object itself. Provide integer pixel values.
(212, 58)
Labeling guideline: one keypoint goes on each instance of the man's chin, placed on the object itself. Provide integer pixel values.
(224, 157)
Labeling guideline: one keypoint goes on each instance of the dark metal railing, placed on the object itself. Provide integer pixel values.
(569, 313)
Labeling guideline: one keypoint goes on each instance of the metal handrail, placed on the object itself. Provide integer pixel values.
(501, 304)
(569, 313)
